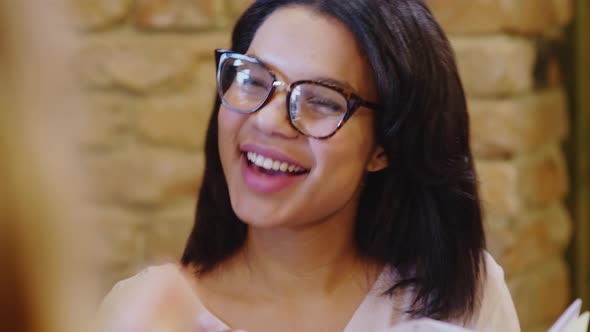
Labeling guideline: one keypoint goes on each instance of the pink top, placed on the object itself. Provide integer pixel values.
(375, 313)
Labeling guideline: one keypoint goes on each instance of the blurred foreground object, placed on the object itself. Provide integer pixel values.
(42, 285)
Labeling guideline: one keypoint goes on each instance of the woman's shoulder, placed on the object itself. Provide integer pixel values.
(494, 288)
(156, 280)
(496, 311)
(156, 276)
(493, 270)
(149, 292)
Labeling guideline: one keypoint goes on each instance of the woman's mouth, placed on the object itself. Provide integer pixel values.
(265, 175)
(273, 167)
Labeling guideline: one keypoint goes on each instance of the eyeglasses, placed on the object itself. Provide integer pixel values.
(317, 109)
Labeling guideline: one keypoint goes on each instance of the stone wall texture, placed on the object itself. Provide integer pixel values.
(148, 68)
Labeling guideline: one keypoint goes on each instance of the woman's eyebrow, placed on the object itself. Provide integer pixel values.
(340, 84)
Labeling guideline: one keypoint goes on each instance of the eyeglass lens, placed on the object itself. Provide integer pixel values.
(314, 109)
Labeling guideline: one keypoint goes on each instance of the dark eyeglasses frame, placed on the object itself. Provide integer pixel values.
(353, 100)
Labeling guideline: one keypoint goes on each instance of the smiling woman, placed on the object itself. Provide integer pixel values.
(339, 191)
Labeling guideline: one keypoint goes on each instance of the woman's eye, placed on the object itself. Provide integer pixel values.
(245, 79)
(325, 105)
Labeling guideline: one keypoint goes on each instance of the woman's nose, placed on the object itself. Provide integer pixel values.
(272, 118)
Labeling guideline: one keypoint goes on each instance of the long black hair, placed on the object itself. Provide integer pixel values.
(421, 215)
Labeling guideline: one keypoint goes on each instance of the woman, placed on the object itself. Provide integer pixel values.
(339, 191)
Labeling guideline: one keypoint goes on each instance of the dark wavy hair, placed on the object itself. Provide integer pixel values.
(420, 215)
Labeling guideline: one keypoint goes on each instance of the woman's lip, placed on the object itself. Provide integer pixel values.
(266, 184)
(270, 153)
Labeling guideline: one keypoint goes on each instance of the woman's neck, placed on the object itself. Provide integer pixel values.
(315, 259)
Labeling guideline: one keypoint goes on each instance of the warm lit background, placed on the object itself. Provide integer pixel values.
(148, 68)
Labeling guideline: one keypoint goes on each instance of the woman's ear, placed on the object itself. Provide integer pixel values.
(378, 160)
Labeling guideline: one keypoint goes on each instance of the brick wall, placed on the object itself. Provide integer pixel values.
(148, 68)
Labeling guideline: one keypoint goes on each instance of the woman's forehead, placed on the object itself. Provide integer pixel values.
(298, 43)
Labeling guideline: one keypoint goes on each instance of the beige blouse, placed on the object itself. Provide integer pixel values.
(376, 312)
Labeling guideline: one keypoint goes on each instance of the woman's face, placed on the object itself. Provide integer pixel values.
(299, 44)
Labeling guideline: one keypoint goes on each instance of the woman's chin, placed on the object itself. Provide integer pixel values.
(262, 222)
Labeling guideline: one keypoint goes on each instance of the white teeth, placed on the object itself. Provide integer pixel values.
(259, 161)
(284, 167)
(269, 164)
(276, 165)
